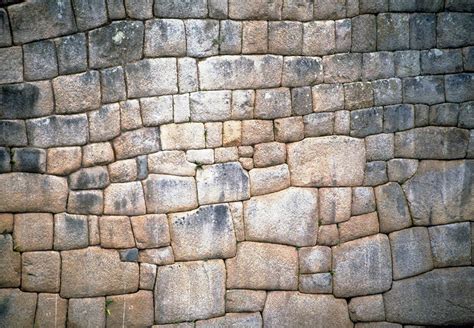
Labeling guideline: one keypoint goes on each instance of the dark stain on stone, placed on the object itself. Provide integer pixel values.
(4, 307)
(74, 226)
(18, 100)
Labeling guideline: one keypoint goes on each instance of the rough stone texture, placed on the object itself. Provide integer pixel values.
(14, 300)
(392, 207)
(26, 100)
(359, 226)
(124, 199)
(51, 310)
(72, 53)
(150, 230)
(40, 271)
(450, 244)
(315, 259)
(77, 93)
(10, 263)
(116, 232)
(400, 170)
(367, 308)
(233, 320)
(70, 231)
(242, 300)
(277, 270)
(131, 310)
(40, 60)
(190, 291)
(90, 310)
(311, 162)
(89, 178)
(335, 205)
(268, 180)
(182, 136)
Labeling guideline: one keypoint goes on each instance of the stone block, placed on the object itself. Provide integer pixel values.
(77, 93)
(378, 65)
(392, 207)
(335, 205)
(151, 231)
(436, 61)
(85, 202)
(259, 9)
(285, 37)
(157, 256)
(373, 6)
(444, 114)
(319, 38)
(343, 35)
(326, 9)
(244, 300)
(328, 235)
(89, 15)
(64, 160)
(218, 8)
(399, 118)
(400, 169)
(328, 97)
(407, 63)
(171, 162)
(254, 37)
(364, 33)
(269, 180)
(459, 87)
(10, 263)
(363, 200)
(422, 31)
(40, 271)
(379, 147)
(393, 32)
(182, 136)
(86, 310)
(6, 223)
(5, 160)
(131, 310)
(359, 226)
(342, 68)
(232, 319)
(358, 95)
(226, 154)
(71, 53)
(137, 142)
(130, 116)
(243, 104)
(141, 9)
(5, 33)
(375, 173)
(423, 89)
(314, 259)
(230, 37)
(147, 276)
(51, 310)
(302, 71)
(181, 108)
(33, 232)
(70, 231)
(124, 199)
(453, 29)
(317, 283)
(272, 103)
(422, 115)
(466, 115)
(450, 244)
(387, 92)
(113, 84)
(40, 60)
(13, 133)
(232, 133)
(201, 36)
(301, 101)
(367, 308)
(160, 75)
(156, 110)
(210, 106)
(269, 154)
(104, 124)
(289, 129)
(301, 10)
(89, 178)
(14, 301)
(367, 121)
(181, 9)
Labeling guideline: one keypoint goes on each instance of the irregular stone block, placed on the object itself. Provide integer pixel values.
(240, 72)
(277, 268)
(375, 173)
(33, 232)
(393, 32)
(10, 263)
(5, 160)
(210, 106)
(392, 207)
(453, 29)
(364, 33)
(26, 100)
(328, 235)
(257, 131)
(311, 161)
(317, 283)
(124, 199)
(14, 301)
(40, 60)
(40, 271)
(86, 310)
(107, 274)
(70, 231)
(205, 233)
(269, 180)
(5, 33)
(141, 9)
(89, 15)
(167, 193)
(85, 202)
(182, 136)
(199, 283)
(161, 32)
(328, 97)
(301, 101)
(13, 133)
(218, 8)
(379, 147)
(335, 205)
(72, 53)
(200, 37)
(171, 162)
(254, 37)
(362, 266)
(89, 178)
(444, 114)
(272, 103)
(77, 93)
(342, 68)
(219, 183)
(432, 143)
(241, 300)
(156, 110)
(269, 154)
(367, 308)
(233, 319)
(343, 35)
(423, 89)
(301, 10)
(400, 170)
(359, 226)
(387, 92)
(459, 87)
(378, 65)
(260, 9)
(51, 310)
(285, 38)
(29, 160)
(407, 63)
(358, 95)
(151, 231)
(450, 244)
(286, 309)
(97, 154)
(289, 129)
(420, 300)
(181, 8)
(436, 61)
(131, 310)
(137, 142)
(319, 124)
(157, 256)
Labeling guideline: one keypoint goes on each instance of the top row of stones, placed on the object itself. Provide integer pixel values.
(32, 21)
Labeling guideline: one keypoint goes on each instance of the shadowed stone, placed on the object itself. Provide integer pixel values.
(90, 311)
(302, 71)
(29, 160)
(423, 89)
(70, 231)
(89, 14)
(51, 311)
(85, 202)
(13, 133)
(40, 60)
(293, 309)
(232, 320)
(29, 192)
(107, 275)
(5, 34)
(12, 69)
(453, 29)
(132, 310)
(10, 263)
(17, 309)
(439, 297)
(40, 271)
(450, 244)
(72, 53)
(25, 100)
(89, 178)
(190, 290)
(327, 161)
(124, 199)
(203, 234)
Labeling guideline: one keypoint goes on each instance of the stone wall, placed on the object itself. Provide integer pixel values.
(236, 163)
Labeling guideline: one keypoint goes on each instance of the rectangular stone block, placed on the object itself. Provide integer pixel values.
(259, 9)
(89, 15)
(137, 142)
(423, 89)
(272, 103)
(364, 33)
(302, 71)
(422, 31)
(72, 53)
(393, 32)
(319, 38)
(164, 37)
(201, 36)
(113, 84)
(342, 68)
(231, 37)
(210, 106)
(285, 38)
(453, 29)
(181, 8)
(182, 136)
(77, 93)
(40, 60)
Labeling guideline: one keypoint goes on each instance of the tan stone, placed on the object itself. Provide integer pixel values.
(367, 308)
(213, 134)
(97, 154)
(232, 133)
(123, 171)
(124, 199)
(244, 300)
(33, 232)
(147, 276)
(315, 259)
(182, 136)
(151, 230)
(359, 226)
(70, 231)
(289, 129)
(132, 310)
(247, 163)
(269, 154)
(6, 223)
(85, 312)
(10, 263)
(200, 156)
(277, 267)
(137, 142)
(18, 308)
(171, 162)
(94, 234)
(392, 207)
(226, 154)
(232, 320)
(327, 161)
(254, 37)
(51, 311)
(335, 205)
(237, 210)
(63, 160)
(269, 180)
(116, 232)
(316, 283)
(256, 131)
(158, 256)
(40, 271)
(85, 202)
(328, 235)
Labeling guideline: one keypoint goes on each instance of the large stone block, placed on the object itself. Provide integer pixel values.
(240, 72)
(89, 178)
(131, 310)
(302, 71)
(137, 142)
(124, 199)
(392, 207)
(259, 9)
(342, 68)
(210, 106)
(165, 37)
(205, 233)
(89, 14)
(244, 300)
(423, 89)
(327, 161)
(40, 272)
(453, 29)
(293, 309)
(182, 136)
(106, 274)
(17, 308)
(77, 93)
(225, 182)
(70, 231)
(285, 217)
(12, 70)
(439, 297)
(72, 53)
(276, 268)
(190, 290)
(28, 192)
(40, 60)
(459, 87)
(151, 231)
(26, 100)
(232, 320)
(272, 103)
(362, 266)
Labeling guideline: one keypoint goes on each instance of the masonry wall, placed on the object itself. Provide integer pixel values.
(240, 163)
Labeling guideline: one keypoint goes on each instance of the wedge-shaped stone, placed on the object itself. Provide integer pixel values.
(203, 234)
(124, 199)
(218, 183)
(26, 100)
(392, 207)
(275, 269)
(285, 217)
(137, 142)
(438, 297)
(151, 231)
(327, 161)
(29, 192)
(362, 266)
(441, 192)
(167, 193)
(240, 72)
(55, 131)
(432, 143)
(17, 308)
(232, 320)
(269, 179)
(77, 93)
(182, 136)
(190, 290)
(106, 274)
(293, 309)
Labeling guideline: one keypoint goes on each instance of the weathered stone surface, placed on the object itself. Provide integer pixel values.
(367, 308)
(182, 136)
(240, 72)
(398, 118)
(89, 178)
(358, 95)
(171, 162)
(200, 36)
(116, 232)
(131, 310)
(5, 34)
(450, 244)
(137, 142)
(287, 309)
(242, 300)
(147, 276)
(432, 143)
(420, 300)
(72, 53)
(301, 101)
(15, 302)
(364, 37)
(335, 205)
(319, 38)
(269, 180)
(77, 93)
(167, 193)
(285, 37)
(272, 103)
(387, 92)
(312, 162)
(181, 9)
(53, 131)
(393, 32)
(40, 272)
(328, 235)
(301, 71)
(328, 97)
(33, 231)
(189, 291)
(254, 37)
(366, 121)
(70, 231)
(317, 283)
(459, 87)
(31, 160)
(89, 15)
(5, 160)
(10, 263)
(152, 77)
(444, 114)
(375, 173)
(276, 269)
(219, 183)
(233, 320)
(203, 234)
(342, 68)
(257, 131)
(86, 311)
(51, 311)
(107, 274)
(28, 192)
(359, 226)
(259, 9)
(315, 259)
(362, 266)
(26, 100)
(165, 37)
(231, 40)
(157, 256)
(441, 192)
(318, 124)
(400, 170)
(392, 207)
(40, 61)
(124, 199)
(285, 217)
(151, 231)
(6, 223)
(210, 106)
(453, 29)
(423, 89)
(411, 252)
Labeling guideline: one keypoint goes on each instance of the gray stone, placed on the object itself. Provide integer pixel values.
(200, 37)
(116, 9)
(218, 8)
(401, 169)
(420, 5)
(387, 92)
(392, 207)
(32, 20)
(301, 10)
(318, 124)
(362, 267)
(130, 116)
(432, 143)
(462, 5)
(219, 183)
(89, 14)
(423, 89)
(398, 118)
(364, 33)
(422, 113)
(13, 302)
(444, 114)
(255, 37)
(459, 87)
(5, 160)
(51, 311)
(366, 121)
(422, 31)
(124, 199)
(367, 308)
(314, 259)
(393, 32)
(317, 283)
(156, 110)
(440, 192)
(77, 93)
(466, 115)
(342, 68)
(328, 97)
(379, 147)
(189, 291)
(420, 300)
(28, 192)
(358, 95)
(70, 231)
(436, 61)
(89, 178)
(164, 37)
(230, 37)
(319, 38)
(5, 33)
(301, 71)
(137, 142)
(10, 263)
(242, 300)
(450, 244)
(167, 193)
(284, 217)
(293, 309)
(259, 9)
(113, 84)
(107, 274)
(373, 6)
(324, 9)
(28, 160)
(210, 106)
(269, 154)
(285, 37)
(277, 268)
(233, 320)
(160, 75)
(468, 58)
(180, 8)
(343, 35)
(411, 252)
(40, 61)
(72, 53)
(203, 234)
(40, 271)
(272, 103)
(13, 133)
(310, 161)
(86, 311)
(301, 101)
(85, 202)
(104, 124)
(363, 200)
(407, 63)
(378, 65)
(141, 9)
(375, 173)
(453, 29)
